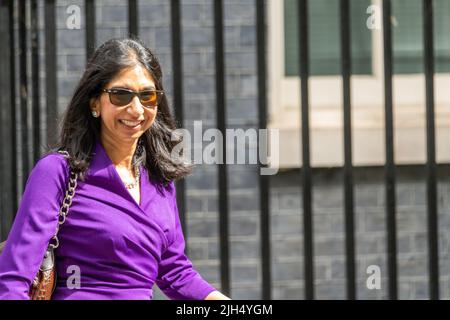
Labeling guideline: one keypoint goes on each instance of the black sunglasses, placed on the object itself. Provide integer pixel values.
(121, 97)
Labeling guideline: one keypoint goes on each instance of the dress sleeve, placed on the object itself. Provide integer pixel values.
(177, 277)
(34, 225)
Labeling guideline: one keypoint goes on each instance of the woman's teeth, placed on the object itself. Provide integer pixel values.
(130, 123)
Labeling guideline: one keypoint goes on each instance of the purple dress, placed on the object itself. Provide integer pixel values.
(119, 248)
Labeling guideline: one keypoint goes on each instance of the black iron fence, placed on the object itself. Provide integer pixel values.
(389, 149)
(18, 89)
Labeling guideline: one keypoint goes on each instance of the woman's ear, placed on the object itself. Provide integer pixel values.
(94, 106)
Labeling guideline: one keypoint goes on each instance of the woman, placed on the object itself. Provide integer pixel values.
(123, 231)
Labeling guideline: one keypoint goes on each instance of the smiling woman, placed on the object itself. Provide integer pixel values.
(127, 109)
(123, 233)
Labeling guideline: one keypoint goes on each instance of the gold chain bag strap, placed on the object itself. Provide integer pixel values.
(44, 282)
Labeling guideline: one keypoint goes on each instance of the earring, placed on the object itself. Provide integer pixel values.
(95, 114)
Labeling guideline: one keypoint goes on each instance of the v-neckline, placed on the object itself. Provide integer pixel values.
(112, 169)
(123, 184)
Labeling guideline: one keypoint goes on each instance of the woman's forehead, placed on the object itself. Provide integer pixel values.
(134, 77)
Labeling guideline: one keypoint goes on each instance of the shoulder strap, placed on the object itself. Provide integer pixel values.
(64, 210)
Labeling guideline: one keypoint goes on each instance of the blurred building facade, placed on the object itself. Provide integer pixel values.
(368, 139)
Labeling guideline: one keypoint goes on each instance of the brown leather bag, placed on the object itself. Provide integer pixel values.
(44, 282)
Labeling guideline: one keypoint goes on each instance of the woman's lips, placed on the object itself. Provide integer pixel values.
(131, 124)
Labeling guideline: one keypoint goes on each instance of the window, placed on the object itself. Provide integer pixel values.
(407, 36)
(367, 89)
(324, 36)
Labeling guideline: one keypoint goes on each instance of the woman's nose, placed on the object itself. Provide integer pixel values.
(137, 106)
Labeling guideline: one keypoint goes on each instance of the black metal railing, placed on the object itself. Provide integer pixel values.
(431, 150)
(14, 13)
(348, 171)
(390, 180)
(16, 37)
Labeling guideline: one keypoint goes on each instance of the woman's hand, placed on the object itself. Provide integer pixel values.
(216, 295)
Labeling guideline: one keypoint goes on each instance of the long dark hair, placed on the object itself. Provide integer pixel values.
(80, 129)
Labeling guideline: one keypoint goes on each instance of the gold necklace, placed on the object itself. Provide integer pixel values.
(132, 185)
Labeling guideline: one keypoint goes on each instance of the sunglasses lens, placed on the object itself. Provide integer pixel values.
(121, 97)
(149, 98)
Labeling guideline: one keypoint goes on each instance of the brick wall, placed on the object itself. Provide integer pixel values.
(370, 232)
(285, 194)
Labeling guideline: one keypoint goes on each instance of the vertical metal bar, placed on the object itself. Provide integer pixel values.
(306, 166)
(177, 63)
(348, 163)
(221, 123)
(23, 90)
(133, 28)
(13, 114)
(390, 165)
(90, 27)
(35, 81)
(51, 92)
(6, 191)
(4, 97)
(263, 179)
(431, 153)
